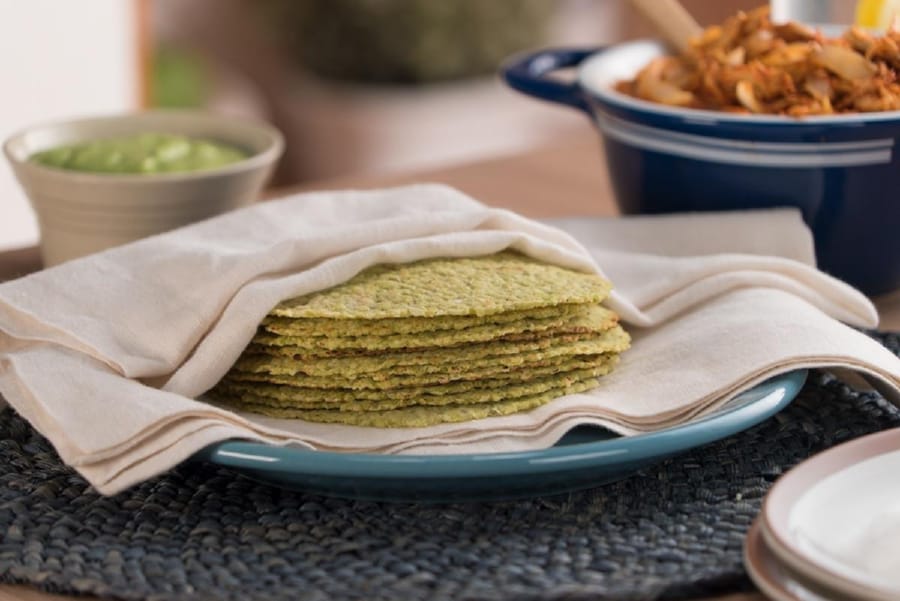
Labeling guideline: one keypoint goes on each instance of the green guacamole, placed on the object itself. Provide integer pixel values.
(141, 154)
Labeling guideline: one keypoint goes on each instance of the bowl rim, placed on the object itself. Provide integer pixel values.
(617, 99)
(259, 159)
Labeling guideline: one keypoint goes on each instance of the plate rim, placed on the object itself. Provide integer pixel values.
(771, 396)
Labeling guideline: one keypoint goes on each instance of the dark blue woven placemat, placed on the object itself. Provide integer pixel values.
(201, 532)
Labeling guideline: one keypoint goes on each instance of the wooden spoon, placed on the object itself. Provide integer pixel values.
(671, 21)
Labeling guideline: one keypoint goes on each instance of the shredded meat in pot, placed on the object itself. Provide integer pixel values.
(751, 65)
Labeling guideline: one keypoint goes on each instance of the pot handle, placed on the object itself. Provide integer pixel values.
(527, 73)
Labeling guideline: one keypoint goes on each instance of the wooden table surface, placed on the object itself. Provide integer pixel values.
(565, 179)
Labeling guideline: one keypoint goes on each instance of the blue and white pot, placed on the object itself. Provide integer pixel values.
(842, 171)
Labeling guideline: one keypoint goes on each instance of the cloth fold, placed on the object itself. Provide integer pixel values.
(105, 355)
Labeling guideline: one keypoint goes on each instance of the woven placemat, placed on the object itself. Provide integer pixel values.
(202, 532)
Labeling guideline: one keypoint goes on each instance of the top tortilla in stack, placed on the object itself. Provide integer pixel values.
(435, 341)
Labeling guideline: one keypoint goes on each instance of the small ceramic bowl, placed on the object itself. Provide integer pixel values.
(81, 212)
(842, 171)
(834, 519)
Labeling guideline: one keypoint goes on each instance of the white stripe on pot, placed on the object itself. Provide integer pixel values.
(745, 152)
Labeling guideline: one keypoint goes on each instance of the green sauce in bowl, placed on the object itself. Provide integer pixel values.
(147, 153)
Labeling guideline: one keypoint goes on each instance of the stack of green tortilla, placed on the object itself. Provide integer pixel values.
(436, 341)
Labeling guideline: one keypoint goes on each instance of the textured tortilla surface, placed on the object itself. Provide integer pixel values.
(487, 285)
(593, 318)
(419, 416)
(322, 326)
(435, 341)
(434, 360)
(485, 391)
(387, 381)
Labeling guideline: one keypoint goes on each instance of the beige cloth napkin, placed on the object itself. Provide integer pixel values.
(103, 355)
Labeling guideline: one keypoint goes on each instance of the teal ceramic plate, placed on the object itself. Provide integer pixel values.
(584, 458)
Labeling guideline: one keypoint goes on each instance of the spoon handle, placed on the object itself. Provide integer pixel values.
(671, 20)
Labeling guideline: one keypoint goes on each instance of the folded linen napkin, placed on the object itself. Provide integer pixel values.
(103, 355)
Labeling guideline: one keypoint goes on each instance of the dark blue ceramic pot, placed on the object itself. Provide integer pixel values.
(842, 172)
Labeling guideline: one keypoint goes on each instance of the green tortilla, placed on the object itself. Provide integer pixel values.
(422, 415)
(487, 285)
(387, 381)
(320, 326)
(593, 319)
(484, 391)
(435, 341)
(434, 360)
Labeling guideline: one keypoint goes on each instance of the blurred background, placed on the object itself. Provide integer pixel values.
(356, 86)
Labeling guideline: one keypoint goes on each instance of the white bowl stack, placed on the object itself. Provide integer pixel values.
(830, 528)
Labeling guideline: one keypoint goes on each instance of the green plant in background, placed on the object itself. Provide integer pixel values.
(407, 41)
(179, 78)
